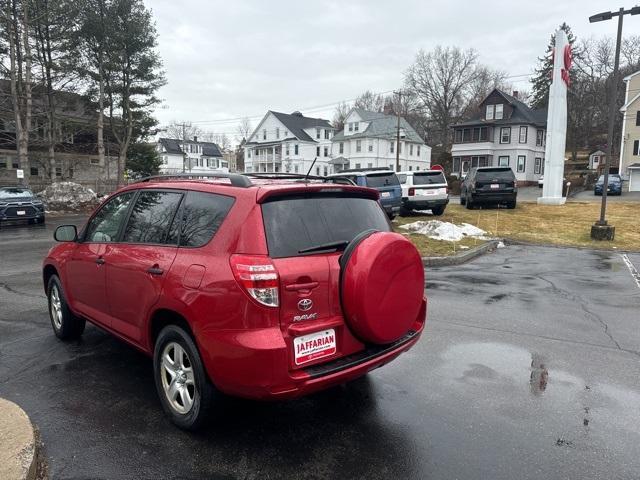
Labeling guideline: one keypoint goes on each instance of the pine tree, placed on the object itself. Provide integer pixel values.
(542, 80)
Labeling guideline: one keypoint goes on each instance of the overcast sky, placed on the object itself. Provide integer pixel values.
(237, 58)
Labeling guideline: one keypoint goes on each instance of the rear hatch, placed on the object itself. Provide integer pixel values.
(387, 184)
(306, 235)
(431, 184)
(495, 180)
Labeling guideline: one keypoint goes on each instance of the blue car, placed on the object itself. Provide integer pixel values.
(383, 180)
(614, 188)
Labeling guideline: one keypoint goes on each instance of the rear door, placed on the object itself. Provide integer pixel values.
(387, 184)
(296, 229)
(137, 266)
(430, 184)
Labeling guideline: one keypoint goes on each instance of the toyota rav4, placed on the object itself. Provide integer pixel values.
(257, 286)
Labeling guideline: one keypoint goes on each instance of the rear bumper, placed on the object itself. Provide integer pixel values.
(255, 363)
(493, 197)
(391, 206)
(423, 203)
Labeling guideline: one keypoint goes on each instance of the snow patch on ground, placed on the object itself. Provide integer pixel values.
(445, 230)
(68, 196)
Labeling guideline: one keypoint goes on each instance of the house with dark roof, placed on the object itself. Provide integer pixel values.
(289, 142)
(190, 156)
(504, 132)
(369, 141)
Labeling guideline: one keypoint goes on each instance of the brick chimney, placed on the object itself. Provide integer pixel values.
(516, 95)
(195, 139)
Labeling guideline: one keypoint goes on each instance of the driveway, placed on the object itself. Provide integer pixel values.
(588, 196)
(528, 369)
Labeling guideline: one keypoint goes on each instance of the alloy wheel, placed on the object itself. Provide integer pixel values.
(178, 379)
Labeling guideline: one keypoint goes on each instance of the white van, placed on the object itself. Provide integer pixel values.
(424, 190)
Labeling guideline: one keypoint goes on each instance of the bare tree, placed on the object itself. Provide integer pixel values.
(183, 130)
(244, 129)
(339, 115)
(220, 139)
(368, 100)
(441, 80)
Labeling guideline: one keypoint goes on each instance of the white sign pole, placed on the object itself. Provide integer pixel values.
(556, 125)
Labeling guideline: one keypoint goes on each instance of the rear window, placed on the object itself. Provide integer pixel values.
(379, 180)
(495, 173)
(296, 223)
(428, 178)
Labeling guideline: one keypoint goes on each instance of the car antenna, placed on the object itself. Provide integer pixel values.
(306, 177)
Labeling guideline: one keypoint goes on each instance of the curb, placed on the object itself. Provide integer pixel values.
(461, 258)
(18, 446)
(509, 241)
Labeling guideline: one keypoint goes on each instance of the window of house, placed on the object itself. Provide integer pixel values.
(358, 145)
(327, 133)
(341, 147)
(277, 133)
(326, 151)
(351, 126)
(264, 134)
(638, 118)
(479, 161)
(326, 171)
(466, 135)
(480, 134)
(523, 134)
(411, 149)
(370, 146)
(369, 165)
(489, 114)
(537, 166)
(458, 136)
(636, 147)
(539, 138)
(14, 163)
(357, 165)
(286, 133)
(96, 161)
(34, 171)
(503, 161)
(522, 161)
(317, 133)
(317, 151)
(3, 163)
(499, 111)
(505, 135)
(418, 150)
(286, 149)
(392, 146)
(356, 126)
(295, 168)
(295, 149)
(456, 164)
(484, 134)
(318, 171)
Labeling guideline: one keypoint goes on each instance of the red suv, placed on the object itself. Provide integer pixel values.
(261, 287)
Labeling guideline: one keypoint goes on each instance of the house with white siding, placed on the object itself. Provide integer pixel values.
(190, 156)
(630, 145)
(504, 132)
(284, 142)
(369, 141)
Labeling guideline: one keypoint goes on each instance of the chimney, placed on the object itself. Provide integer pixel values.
(515, 95)
(195, 139)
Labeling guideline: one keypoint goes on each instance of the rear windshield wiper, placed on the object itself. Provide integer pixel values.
(326, 246)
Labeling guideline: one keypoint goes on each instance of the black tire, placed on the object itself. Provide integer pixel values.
(469, 203)
(437, 211)
(463, 200)
(65, 324)
(391, 216)
(202, 394)
(405, 212)
(512, 205)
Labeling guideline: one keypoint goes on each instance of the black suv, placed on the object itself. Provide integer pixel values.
(19, 203)
(489, 185)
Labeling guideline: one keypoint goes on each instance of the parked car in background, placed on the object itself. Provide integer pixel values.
(384, 180)
(614, 187)
(20, 204)
(424, 190)
(255, 286)
(489, 185)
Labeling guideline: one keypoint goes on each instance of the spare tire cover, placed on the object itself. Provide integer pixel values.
(382, 286)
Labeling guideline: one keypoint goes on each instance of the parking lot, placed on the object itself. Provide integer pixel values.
(528, 368)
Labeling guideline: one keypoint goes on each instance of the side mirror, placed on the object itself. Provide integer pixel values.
(66, 233)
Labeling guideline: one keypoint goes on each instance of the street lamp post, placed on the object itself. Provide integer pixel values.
(601, 230)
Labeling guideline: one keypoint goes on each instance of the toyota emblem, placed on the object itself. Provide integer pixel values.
(305, 304)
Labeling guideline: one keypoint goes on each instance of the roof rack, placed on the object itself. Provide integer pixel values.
(369, 169)
(299, 176)
(236, 179)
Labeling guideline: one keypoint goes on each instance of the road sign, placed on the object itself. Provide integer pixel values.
(20, 173)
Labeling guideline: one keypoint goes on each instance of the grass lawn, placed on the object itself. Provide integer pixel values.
(569, 224)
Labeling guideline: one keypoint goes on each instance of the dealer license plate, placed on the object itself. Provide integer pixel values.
(386, 194)
(21, 212)
(314, 346)
(495, 185)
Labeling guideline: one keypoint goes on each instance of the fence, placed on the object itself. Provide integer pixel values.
(101, 187)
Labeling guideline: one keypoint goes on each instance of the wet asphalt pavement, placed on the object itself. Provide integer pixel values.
(529, 368)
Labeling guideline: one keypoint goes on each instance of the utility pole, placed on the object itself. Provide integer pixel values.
(399, 93)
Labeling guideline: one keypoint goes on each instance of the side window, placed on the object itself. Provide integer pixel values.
(105, 225)
(202, 215)
(151, 217)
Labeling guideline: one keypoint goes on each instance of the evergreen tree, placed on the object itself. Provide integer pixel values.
(542, 80)
(143, 160)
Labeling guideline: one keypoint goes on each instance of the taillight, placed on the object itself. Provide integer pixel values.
(412, 192)
(258, 276)
(515, 184)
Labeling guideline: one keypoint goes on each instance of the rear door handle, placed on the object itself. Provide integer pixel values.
(155, 270)
(301, 286)
(100, 261)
